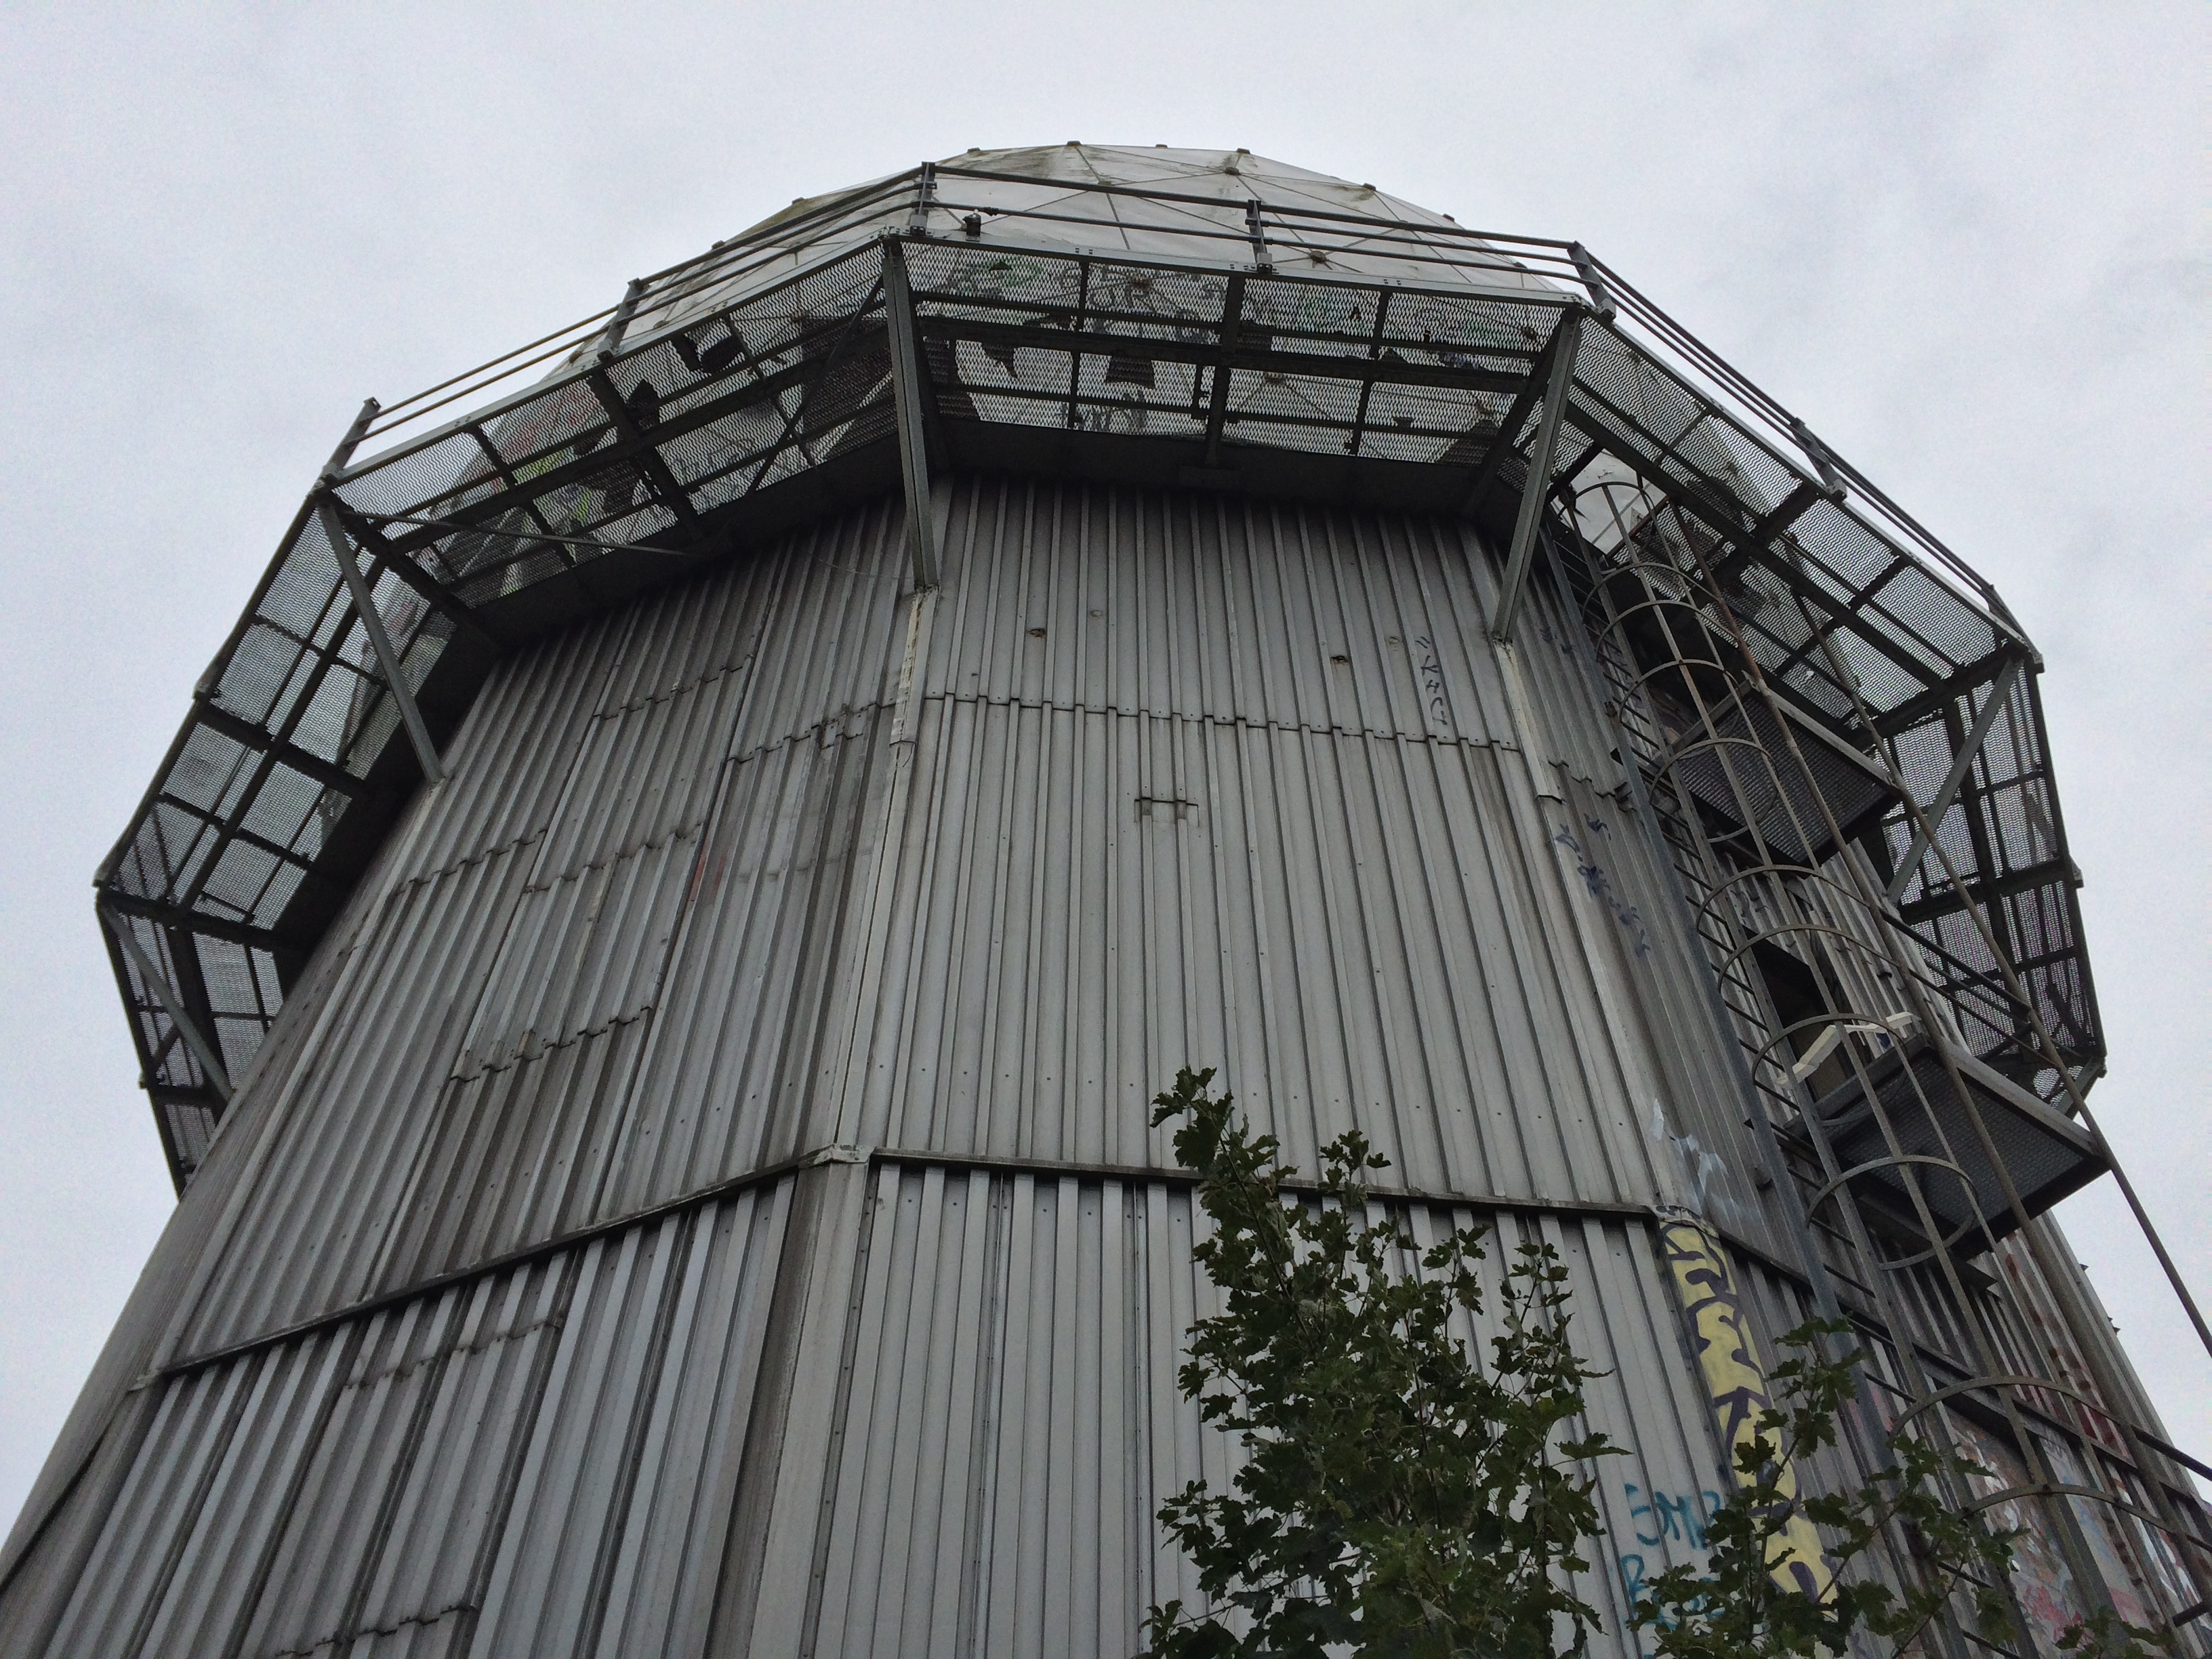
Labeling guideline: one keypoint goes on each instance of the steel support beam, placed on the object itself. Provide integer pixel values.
(1538, 484)
(1524, 404)
(2000, 695)
(342, 549)
(639, 452)
(1950, 901)
(434, 593)
(1217, 413)
(171, 916)
(1755, 540)
(913, 433)
(287, 753)
(173, 1003)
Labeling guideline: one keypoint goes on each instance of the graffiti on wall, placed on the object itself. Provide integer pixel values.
(2042, 1583)
(1657, 1517)
(1735, 1381)
(1601, 885)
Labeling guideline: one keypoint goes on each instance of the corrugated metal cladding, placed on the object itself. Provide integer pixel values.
(603, 1451)
(645, 1232)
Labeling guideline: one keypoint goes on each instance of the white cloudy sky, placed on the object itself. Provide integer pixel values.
(1967, 243)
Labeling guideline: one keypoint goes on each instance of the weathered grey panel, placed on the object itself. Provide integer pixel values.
(517, 1154)
(786, 857)
(510, 761)
(1214, 606)
(1353, 929)
(626, 1491)
(343, 1141)
(759, 1003)
(391, 1532)
(829, 646)
(1014, 1422)
(349, 1482)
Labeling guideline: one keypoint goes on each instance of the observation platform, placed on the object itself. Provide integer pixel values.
(1194, 319)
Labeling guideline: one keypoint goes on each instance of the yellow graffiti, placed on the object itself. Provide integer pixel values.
(1735, 1381)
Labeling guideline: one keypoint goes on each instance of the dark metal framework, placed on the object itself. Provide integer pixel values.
(1910, 1157)
(676, 427)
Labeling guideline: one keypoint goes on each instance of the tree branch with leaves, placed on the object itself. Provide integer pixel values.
(1405, 1494)
(1397, 1496)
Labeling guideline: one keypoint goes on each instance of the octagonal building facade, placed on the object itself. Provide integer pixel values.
(652, 949)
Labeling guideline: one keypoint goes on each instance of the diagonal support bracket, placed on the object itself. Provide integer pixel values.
(1932, 814)
(1516, 416)
(907, 406)
(639, 452)
(173, 1005)
(1537, 484)
(342, 549)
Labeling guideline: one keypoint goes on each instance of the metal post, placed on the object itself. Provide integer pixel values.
(337, 464)
(194, 1039)
(917, 221)
(365, 607)
(1217, 413)
(611, 341)
(1259, 236)
(1586, 267)
(906, 402)
(1538, 482)
(1817, 452)
(1933, 812)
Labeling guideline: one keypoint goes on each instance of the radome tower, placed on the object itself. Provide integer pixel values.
(651, 948)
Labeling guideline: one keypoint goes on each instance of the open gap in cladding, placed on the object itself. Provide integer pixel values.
(1396, 350)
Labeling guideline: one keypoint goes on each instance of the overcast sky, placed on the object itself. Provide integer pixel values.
(1966, 244)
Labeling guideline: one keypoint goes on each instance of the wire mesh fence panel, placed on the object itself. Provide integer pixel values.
(1328, 336)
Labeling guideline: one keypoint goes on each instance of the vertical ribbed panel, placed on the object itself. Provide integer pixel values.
(343, 1151)
(350, 1483)
(996, 1481)
(517, 1154)
(1263, 612)
(830, 645)
(1336, 899)
(759, 994)
(584, 951)
(1014, 1423)
(1354, 928)
(625, 1494)
(411, 1427)
(1694, 1124)
(508, 766)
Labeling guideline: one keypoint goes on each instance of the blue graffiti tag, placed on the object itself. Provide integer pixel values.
(1601, 888)
(1674, 1515)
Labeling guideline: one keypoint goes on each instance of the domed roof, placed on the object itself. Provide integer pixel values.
(1148, 202)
